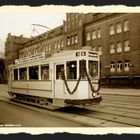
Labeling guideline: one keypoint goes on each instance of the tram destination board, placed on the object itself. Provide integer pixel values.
(30, 58)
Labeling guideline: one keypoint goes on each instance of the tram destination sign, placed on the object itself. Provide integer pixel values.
(30, 58)
(92, 54)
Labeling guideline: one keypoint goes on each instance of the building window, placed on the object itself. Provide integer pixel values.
(72, 40)
(55, 45)
(112, 30)
(72, 23)
(76, 39)
(68, 41)
(49, 47)
(112, 48)
(93, 34)
(62, 45)
(99, 33)
(126, 25)
(112, 66)
(126, 65)
(88, 36)
(58, 44)
(68, 18)
(126, 45)
(119, 66)
(43, 49)
(68, 27)
(80, 22)
(119, 28)
(46, 48)
(65, 28)
(119, 47)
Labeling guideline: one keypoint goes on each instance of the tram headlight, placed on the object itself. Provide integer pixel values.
(72, 66)
(94, 94)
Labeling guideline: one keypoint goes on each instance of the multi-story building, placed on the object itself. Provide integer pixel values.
(12, 46)
(2, 71)
(114, 35)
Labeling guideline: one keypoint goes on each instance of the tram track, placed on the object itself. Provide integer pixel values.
(98, 118)
(128, 106)
(55, 113)
(117, 117)
(103, 115)
(123, 113)
(135, 104)
(83, 119)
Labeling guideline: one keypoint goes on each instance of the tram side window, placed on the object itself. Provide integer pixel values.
(45, 72)
(33, 73)
(59, 71)
(71, 69)
(81, 68)
(93, 69)
(23, 73)
(15, 74)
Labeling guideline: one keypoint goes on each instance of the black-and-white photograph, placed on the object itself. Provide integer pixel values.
(69, 69)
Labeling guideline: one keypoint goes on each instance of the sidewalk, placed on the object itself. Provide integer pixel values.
(3, 90)
(119, 91)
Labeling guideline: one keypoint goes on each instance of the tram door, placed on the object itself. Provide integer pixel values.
(59, 84)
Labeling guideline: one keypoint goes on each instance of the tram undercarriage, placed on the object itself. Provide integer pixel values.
(52, 104)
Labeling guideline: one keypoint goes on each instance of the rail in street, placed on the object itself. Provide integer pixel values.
(113, 111)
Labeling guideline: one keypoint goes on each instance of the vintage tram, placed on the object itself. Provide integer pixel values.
(67, 78)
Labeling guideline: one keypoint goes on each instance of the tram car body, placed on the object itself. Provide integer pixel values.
(68, 78)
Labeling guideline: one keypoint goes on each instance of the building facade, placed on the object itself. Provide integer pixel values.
(114, 35)
(2, 71)
(12, 46)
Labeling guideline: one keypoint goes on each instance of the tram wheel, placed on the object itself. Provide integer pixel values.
(42, 101)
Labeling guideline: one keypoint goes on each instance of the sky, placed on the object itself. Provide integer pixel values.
(21, 23)
(18, 20)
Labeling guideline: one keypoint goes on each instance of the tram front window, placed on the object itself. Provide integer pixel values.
(23, 73)
(33, 73)
(93, 69)
(71, 69)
